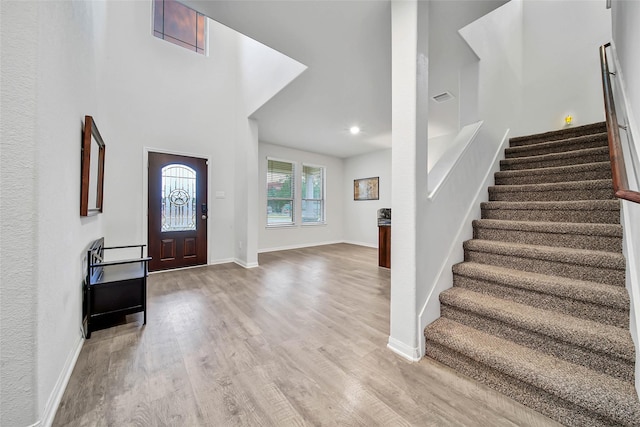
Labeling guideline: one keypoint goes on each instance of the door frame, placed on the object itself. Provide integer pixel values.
(145, 196)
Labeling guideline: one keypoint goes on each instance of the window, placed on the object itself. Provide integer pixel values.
(178, 198)
(178, 24)
(312, 194)
(280, 192)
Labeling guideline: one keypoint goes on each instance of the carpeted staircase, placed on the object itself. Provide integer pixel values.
(539, 309)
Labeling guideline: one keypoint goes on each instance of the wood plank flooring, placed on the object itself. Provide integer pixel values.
(300, 340)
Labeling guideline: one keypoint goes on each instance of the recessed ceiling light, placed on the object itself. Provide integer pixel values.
(354, 130)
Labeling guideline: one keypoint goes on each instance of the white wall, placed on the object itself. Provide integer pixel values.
(626, 36)
(561, 71)
(49, 54)
(164, 97)
(360, 216)
(438, 146)
(277, 238)
(449, 54)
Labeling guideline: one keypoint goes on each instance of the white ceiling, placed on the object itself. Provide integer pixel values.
(347, 48)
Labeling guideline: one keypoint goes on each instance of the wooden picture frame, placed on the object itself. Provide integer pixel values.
(92, 169)
(366, 188)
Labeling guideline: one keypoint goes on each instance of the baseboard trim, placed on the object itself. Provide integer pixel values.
(299, 246)
(412, 354)
(61, 385)
(244, 264)
(222, 261)
(367, 245)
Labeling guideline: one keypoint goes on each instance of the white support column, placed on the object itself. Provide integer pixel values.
(409, 170)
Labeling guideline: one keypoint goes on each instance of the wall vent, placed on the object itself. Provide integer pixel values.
(443, 97)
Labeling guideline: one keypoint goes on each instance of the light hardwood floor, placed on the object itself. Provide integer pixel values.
(301, 340)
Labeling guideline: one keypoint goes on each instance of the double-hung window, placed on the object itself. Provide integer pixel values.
(280, 192)
(312, 194)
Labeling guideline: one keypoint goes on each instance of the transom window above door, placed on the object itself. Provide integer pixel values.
(179, 24)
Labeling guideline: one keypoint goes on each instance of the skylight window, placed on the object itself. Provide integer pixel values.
(179, 24)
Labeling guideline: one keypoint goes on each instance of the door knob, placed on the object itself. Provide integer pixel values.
(204, 217)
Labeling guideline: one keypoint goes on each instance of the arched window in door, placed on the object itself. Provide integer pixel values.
(178, 198)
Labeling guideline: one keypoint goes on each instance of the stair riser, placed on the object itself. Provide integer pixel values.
(556, 136)
(556, 215)
(552, 267)
(576, 241)
(499, 195)
(556, 147)
(605, 363)
(585, 310)
(516, 164)
(553, 177)
(546, 403)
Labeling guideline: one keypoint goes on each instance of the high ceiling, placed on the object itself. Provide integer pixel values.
(347, 48)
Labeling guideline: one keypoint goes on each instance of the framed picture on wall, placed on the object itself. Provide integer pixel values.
(366, 189)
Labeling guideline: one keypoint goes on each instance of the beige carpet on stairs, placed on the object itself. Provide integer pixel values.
(539, 309)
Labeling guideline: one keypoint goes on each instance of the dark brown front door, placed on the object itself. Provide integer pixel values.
(177, 211)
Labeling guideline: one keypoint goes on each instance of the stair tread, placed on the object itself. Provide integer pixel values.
(589, 229)
(577, 384)
(555, 186)
(551, 145)
(580, 290)
(554, 156)
(555, 169)
(552, 135)
(588, 257)
(559, 205)
(581, 332)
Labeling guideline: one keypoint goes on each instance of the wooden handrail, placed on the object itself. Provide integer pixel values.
(618, 169)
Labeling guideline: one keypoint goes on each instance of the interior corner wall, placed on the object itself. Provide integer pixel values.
(360, 216)
(561, 69)
(163, 97)
(278, 238)
(626, 33)
(48, 86)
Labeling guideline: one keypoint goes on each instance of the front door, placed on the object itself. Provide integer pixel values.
(177, 222)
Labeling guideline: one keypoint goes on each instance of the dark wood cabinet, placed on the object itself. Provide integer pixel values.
(384, 246)
(113, 287)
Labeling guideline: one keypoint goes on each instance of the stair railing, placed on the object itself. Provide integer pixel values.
(618, 169)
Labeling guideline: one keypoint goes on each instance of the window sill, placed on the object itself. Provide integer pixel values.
(269, 226)
(314, 224)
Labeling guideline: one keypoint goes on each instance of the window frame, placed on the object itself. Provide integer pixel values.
(162, 35)
(322, 200)
(293, 194)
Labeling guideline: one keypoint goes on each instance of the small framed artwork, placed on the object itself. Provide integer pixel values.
(365, 189)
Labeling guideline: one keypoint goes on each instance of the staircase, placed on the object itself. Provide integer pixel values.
(539, 310)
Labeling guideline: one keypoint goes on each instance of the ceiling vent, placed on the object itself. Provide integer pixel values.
(443, 97)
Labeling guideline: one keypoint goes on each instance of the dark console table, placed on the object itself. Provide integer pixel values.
(384, 237)
(384, 246)
(113, 287)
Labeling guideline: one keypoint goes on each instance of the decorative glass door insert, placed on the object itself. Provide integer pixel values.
(178, 198)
